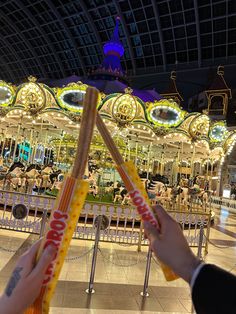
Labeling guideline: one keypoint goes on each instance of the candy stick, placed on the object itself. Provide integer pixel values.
(133, 184)
(68, 206)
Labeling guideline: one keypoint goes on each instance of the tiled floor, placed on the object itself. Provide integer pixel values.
(120, 274)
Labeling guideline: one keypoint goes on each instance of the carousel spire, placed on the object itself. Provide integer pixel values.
(113, 49)
(114, 46)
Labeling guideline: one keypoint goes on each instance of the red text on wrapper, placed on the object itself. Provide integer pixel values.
(54, 237)
(142, 207)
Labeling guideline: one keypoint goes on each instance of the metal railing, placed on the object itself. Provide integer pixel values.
(123, 222)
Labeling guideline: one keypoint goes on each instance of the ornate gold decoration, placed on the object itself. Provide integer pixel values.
(128, 90)
(32, 96)
(124, 109)
(199, 127)
(32, 79)
(74, 117)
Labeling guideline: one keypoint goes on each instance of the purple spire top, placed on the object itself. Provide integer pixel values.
(114, 46)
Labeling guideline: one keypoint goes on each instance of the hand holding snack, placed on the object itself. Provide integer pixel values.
(26, 280)
(170, 246)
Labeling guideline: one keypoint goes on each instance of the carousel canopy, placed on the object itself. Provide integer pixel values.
(34, 108)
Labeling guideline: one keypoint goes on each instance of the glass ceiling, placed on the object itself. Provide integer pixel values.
(58, 38)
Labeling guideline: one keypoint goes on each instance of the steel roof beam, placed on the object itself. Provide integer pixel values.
(25, 40)
(6, 66)
(163, 52)
(54, 9)
(198, 34)
(34, 20)
(14, 53)
(127, 35)
(88, 16)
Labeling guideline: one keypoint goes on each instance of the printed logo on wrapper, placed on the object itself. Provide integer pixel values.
(142, 207)
(54, 237)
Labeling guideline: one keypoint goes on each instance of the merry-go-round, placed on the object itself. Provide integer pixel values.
(178, 154)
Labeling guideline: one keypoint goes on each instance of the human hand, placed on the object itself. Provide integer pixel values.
(26, 280)
(170, 246)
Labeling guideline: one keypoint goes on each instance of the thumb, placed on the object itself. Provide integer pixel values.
(44, 261)
(150, 231)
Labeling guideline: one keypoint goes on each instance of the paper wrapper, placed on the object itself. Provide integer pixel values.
(60, 231)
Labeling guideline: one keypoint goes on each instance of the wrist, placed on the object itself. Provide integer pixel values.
(5, 305)
(191, 268)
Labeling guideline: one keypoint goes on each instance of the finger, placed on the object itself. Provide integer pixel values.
(151, 232)
(32, 251)
(44, 261)
(27, 260)
(161, 215)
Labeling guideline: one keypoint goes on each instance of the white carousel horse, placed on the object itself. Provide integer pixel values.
(184, 196)
(93, 189)
(121, 196)
(14, 177)
(57, 184)
(92, 178)
(109, 188)
(32, 177)
(45, 181)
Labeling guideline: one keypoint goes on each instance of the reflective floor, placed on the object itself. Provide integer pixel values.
(120, 274)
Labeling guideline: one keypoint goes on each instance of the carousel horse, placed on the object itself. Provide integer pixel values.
(3, 172)
(55, 175)
(14, 177)
(32, 177)
(46, 182)
(57, 183)
(93, 189)
(92, 178)
(122, 196)
(184, 196)
(109, 187)
(196, 193)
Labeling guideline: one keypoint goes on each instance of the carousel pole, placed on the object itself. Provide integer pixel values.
(210, 181)
(41, 142)
(126, 147)
(47, 155)
(44, 147)
(161, 164)
(50, 154)
(10, 147)
(35, 148)
(192, 161)
(173, 170)
(177, 165)
(148, 161)
(16, 142)
(207, 170)
(59, 149)
(21, 144)
(3, 142)
(181, 159)
(136, 153)
(200, 167)
(30, 145)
